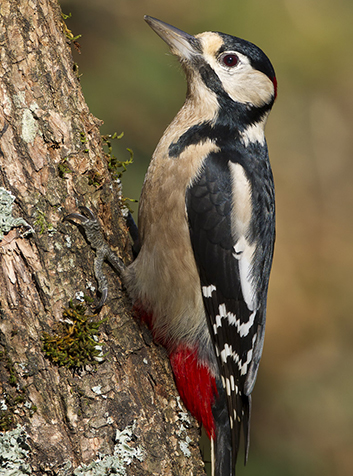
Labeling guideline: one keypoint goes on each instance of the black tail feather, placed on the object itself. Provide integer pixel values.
(223, 438)
(226, 444)
(246, 425)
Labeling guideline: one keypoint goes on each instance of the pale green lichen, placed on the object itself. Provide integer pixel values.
(7, 221)
(19, 99)
(184, 444)
(117, 462)
(185, 440)
(29, 126)
(13, 453)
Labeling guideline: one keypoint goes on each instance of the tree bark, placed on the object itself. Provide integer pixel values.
(122, 414)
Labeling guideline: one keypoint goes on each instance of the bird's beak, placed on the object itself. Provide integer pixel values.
(181, 44)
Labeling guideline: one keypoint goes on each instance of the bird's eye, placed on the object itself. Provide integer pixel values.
(230, 60)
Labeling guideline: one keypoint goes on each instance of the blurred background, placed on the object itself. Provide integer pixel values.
(303, 401)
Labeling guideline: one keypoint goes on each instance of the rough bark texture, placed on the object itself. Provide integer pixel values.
(69, 418)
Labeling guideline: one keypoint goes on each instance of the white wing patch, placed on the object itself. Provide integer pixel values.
(241, 218)
(245, 269)
(241, 195)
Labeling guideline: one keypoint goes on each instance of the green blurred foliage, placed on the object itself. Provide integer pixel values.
(303, 413)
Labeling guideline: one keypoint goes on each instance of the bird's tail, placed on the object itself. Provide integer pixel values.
(221, 445)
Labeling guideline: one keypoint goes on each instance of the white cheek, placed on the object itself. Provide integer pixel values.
(243, 83)
(247, 85)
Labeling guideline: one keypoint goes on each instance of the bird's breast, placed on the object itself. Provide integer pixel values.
(164, 276)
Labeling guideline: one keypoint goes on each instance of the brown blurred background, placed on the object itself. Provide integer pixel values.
(303, 400)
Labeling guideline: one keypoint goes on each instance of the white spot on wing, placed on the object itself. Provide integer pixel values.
(219, 320)
(232, 319)
(244, 367)
(222, 310)
(244, 328)
(228, 387)
(226, 352)
(208, 290)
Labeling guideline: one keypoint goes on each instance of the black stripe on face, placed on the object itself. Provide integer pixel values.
(209, 77)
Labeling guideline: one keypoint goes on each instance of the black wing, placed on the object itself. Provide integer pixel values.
(234, 310)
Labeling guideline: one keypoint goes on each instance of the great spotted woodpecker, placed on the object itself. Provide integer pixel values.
(207, 232)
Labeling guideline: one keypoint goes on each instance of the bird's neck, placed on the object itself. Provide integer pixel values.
(237, 121)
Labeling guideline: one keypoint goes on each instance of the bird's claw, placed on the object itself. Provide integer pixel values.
(82, 218)
(97, 241)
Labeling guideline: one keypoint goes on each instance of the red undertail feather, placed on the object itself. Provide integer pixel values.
(195, 384)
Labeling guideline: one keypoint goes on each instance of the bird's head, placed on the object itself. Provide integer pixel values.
(226, 66)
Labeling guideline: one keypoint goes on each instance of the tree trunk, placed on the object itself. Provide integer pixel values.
(121, 414)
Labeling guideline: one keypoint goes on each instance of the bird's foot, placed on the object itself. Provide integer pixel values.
(95, 237)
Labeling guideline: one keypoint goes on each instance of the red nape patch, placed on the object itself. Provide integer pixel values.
(196, 386)
(274, 80)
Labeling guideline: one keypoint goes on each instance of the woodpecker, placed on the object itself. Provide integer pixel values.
(207, 232)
